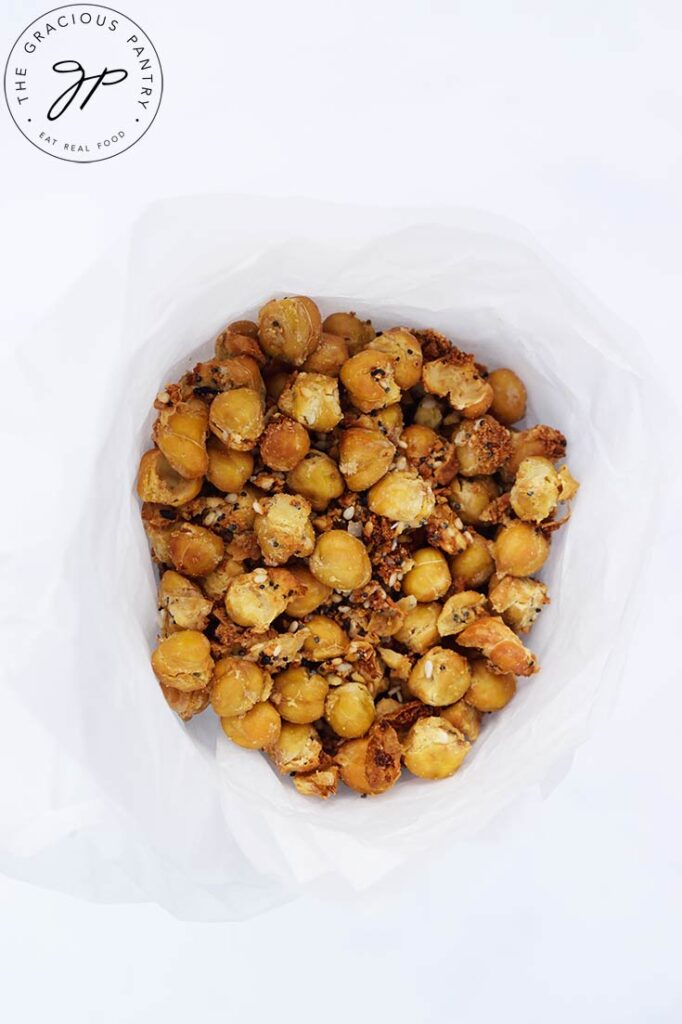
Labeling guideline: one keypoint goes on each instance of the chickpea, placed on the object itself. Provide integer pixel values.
(225, 374)
(406, 353)
(499, 645)
(228, 470)
(311, 593)
(185, 703)
(317, 478)
(420, 441)
(180, 432)
(402, 496)
(539, 440)
(299, 695)
(236, 418)
(312, 399)
(297, 748)
(430, 578)
(158, 482)
(371, 764)
(244, 506)
(290, 329)
(445, 530)
(183, 661)
(464, 717)
(238, 686)
(509, 396)
(322, 782)
(471, 496)
(284, 529)
(256, 598)
(257, 729)
(472, 567)
(195, 550)
(434, 749)
(184, 602)
(428, 413)
(419, 630)
(489, 691)
(520, 550)
(364, 457)
(326, 639)
(440, 677)
(369, 378)
(216, 583)
(536, 490)
(349, 709)
(398, 665)
(389, 421)
(234, 342)
(284, 443)
(460, 610)
(456, 377)
(519, 601)
(482, 446)
(341, 561)
(328, 357)
(355, 332)
(351, 758)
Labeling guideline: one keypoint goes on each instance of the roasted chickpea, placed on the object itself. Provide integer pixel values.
(256, 598)
(326, 639)
(430, 578)
(509, 396)
(356, 332)
(257, 729)
(402, 496)
(539, 440)
(297, 748)
(216, 583)
(299, 695)
(236, 418)
(180, 432)
(195, 550)
(183, 661)
(284, 443)
(352, 758)
(321, 783)
(389, 421)
(228, 470)
(520, 550)
(465, 718)
(475, 565)
(328, 357)
(290, 329)
(284, 530)
(406, 353)
(183, 601)
(341, 561)
(420, 441)
(237, 686)
(369, 378)
(482, 446)
(434, 749)
(489, 691)
(185, 703)
(158, 482)
(312, 399)
(311, 593)
(244, 506)
(460, 610)
(317, 478)
(536, 490)
(440, 677)
(471, 497)
(419, 630)
(233, 342)
(371, 764)
(364, 457)
(225, 374)
(502, 647)
(349, 709)
(455, 376)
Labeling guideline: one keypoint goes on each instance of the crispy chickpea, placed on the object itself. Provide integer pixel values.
(420, 441)
(406, 353)
(351, 758)
(299, 695)
(430, 578)
(311, 593)
(341, 561)
(419, 630)
(371, 764)
(312, 399)
(321, 783)
(539, 440)
(520, 549)
(356, 332)
(434, 749)
(482, 446)
(471, 496)
(328, 357)
(256, 598)
(257, 729)
(326, 639)
(349, 709)
(440, 677)
(232, 342)
(183, 601)
(475, 565)
(236, 418)
(216, 583)
(460, 610)
(509, 396)
(158, 482)
(228, 470)
(183, 661)
(369, 378)
(284, 529)
(402, 496)
(180, 432)
(536, 490)
(389, 421)
(464, 717)
(290, 329)
(455, 376)
(237, 686)
(518, 600)
(489, 691)
(284, 443)
(185, 703)
(502, 647)
(317, 478)
(244, 506)
(364, 457)
(225, 374)
(195, 550)
(296, 749)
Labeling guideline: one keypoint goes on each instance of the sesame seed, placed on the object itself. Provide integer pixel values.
(349, 512)
(293, 626)
(402, 444)
(163, 397)
(428, 669)
(257, 508)
(277, 651)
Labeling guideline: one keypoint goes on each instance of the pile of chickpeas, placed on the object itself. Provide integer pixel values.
(348, 530)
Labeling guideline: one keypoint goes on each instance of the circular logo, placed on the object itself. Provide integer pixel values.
(83, 83)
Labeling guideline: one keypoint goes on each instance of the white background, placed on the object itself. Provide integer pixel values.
(566, 117)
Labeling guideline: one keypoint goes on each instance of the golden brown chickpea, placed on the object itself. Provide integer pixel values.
(420, 441)
(297, 748)
(520, 550)
(406, 353)
(321, 783)
(236, 418)
(518, 600)
(364, 457)
(180, 432)
(256, 598)
(284, 530)
(349, 709)
(460, 610)
(402, 496)
(430, 578)
(158, 482)
(183, 661)
(456, 377)
(440, 677)
(371, 764)
(328, 357)
(312, 399)
(238, 686)
(434, 749)
(216, 583)
(482, 446)
(509, 396)
(341, 561)
(464, 718)
(356, 332)
(326, 639)
(284, 443)
(290, 329)
(389, 421)
(502, 647)
(233, 342)
(470, 497)
(244, 507)
(317, 478)
(398, 665)
(369, 378)
(183, 601)
(228, 470)
(195, 550)
(257, 729)
(311, 594)
(489, 691)
(185, 703)
(225, 374)
(536, 491)
(419, 630)
(276, 384)
(474, 566)
(299, 695)
(351, 758)
(538, 440)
